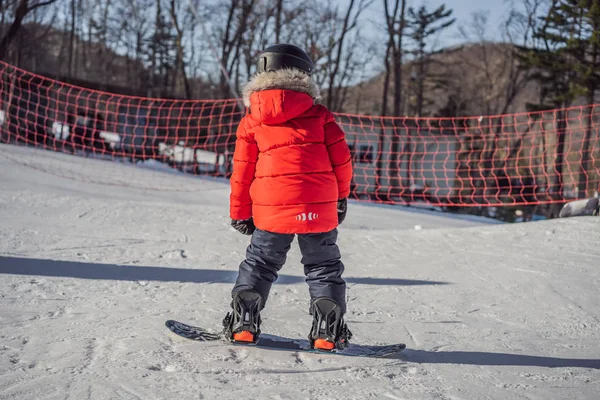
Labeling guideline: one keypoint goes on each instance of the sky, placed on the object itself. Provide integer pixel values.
(462, 11)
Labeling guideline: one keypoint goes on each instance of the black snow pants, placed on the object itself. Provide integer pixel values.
(267, 253)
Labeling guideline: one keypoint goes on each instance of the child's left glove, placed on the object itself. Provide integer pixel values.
(342, 207)
(245, 226)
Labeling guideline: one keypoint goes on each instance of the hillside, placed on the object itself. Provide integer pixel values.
(44, 50)
(472, 79)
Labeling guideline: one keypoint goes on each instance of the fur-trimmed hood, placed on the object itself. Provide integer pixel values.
(284, 79)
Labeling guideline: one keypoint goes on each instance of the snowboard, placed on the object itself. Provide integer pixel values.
(579, 208)
(273, 342)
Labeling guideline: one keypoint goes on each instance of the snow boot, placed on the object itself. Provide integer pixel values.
(328, 331)
(242, 324)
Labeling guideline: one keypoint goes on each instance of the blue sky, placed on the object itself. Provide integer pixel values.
(462, 10)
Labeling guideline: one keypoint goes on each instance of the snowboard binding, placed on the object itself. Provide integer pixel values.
(242, 324)
(328, 331)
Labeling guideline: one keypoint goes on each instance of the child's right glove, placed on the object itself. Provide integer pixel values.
(342, 207)
(245, 226)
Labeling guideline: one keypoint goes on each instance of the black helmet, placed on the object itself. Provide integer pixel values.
(282, 56)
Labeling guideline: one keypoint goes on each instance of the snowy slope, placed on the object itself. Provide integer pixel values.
(95, 255)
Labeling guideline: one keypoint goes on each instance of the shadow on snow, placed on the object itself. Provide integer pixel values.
(70, 269)
(82, 270)
(494, 359)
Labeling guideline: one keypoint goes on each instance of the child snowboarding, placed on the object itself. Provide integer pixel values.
(291, 176)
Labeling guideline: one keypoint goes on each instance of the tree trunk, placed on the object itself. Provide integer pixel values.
(561, 125)
(338, 59)
(395, 156)
(226, 49)
(278, 20)
(71, 40)
(398, 62)
(20, 14)
(421, 85)
(180, 64)
(585, 169)
(384, 106)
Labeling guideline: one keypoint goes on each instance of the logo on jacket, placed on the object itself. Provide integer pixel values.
(304, 217)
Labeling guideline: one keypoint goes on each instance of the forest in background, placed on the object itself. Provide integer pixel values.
(386, 65)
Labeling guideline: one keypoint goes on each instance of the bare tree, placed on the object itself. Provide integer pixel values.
(134, 17)
(278, 12)
(180, 60)
(424, 24)
(161, 44)
(24, 7)
(72, 36)
(495, 79)
(396, 25)
(386, 80)
(519, 31)
(24, 49)
(335, 60)
(259, 32)
(230, 37)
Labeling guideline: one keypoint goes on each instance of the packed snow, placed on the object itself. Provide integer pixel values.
(96, 255)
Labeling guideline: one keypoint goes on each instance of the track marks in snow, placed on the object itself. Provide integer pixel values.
(105, 338)
(179, 253)
(85, 213)
(238, 355)
(297, 358)
(573, 305)
(412, 337)
(91, 353)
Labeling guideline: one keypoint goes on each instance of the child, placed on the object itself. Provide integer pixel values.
(291, 176)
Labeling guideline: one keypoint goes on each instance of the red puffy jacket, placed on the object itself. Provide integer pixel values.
(291, 164)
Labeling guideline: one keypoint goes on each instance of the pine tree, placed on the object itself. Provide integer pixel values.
(567, 67)
(423, 24)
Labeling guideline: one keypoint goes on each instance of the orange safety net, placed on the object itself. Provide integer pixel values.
(520, 159)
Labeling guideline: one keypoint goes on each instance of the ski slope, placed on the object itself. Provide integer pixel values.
(96, 255)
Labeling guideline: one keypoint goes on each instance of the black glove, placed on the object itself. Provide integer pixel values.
(245, 226)
(342, 207)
